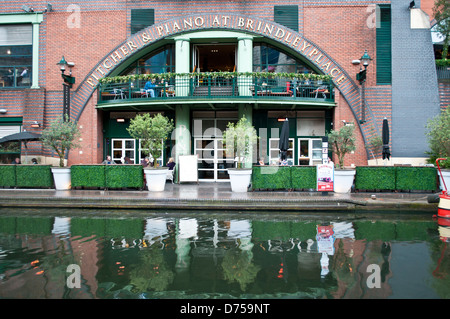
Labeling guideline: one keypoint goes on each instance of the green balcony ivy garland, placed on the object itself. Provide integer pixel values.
(227, 75)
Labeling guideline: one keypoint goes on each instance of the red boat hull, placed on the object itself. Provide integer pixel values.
(444, 206)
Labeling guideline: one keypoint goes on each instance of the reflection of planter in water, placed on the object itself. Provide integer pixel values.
(343, 180)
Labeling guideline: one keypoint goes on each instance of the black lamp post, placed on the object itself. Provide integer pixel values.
(69, 80)
(361, 77)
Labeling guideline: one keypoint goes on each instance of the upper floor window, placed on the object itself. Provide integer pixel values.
(267, 58)
(160, 61)
(16, 55)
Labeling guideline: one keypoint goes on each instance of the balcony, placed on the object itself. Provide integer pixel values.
(215, 88)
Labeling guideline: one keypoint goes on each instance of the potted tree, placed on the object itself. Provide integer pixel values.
(439, 142)
(342, 142)
(151, 130)
(239, 139)
(60, 136)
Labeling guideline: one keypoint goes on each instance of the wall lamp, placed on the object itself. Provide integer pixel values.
(120, 120)
(35, 124)
(3, 111)
(27, 8)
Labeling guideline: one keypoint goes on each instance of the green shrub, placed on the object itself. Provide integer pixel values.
(375, 178)
(271, 177)
(124, 176)
(7, 175)
(34, 176)
(416, 178)
(304, 177)
(88, 176)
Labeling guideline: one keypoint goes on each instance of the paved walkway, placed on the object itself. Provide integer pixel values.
(214, 196)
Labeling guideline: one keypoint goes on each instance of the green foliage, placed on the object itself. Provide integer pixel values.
(238, 267)
(7, 175)
(441, 12)
(342, 142)
(304, 177)
(88, 176)
(439, 138)
(151, 130)
(86, 227)
(60, 136)
(34, 225)
(239, 139)
(416, 178)
(271, 177)
(35, 176)
(124, 176)
(227, 75)
(375, 178)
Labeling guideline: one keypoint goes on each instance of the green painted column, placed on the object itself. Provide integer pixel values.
(181, 134)
(182, 57)
(245, 64)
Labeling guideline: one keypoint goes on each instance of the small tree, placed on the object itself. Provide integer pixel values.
(342, 142)
(439, 137)
(441, 12)
(150, 130)
(239, 139)
(60, 136)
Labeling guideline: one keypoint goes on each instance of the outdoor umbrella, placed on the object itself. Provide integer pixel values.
(385, 138)
(24, 137)
(284, 139)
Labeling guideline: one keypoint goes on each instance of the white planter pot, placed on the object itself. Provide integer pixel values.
(156, 178)
(239, 179)
(446, 176)
(343, 180)
(61, 176)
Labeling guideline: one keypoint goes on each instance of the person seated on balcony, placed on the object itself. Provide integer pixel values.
(261, 161)
(149, 87)
(171, 163)
(145, 162)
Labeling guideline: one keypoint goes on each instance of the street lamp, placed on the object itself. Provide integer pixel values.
(69, 80)
(361, 77)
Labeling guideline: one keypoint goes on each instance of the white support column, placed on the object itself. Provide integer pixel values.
(245, 64)
(35, 70)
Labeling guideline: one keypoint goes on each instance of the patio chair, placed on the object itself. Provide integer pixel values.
(118, 93)
(170, 175)
(321, 89)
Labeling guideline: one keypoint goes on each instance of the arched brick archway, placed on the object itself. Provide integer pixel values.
(285, 37)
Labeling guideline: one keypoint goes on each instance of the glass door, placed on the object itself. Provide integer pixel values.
(274, 151)
(122, 148)
(213, 162)
(310, 151)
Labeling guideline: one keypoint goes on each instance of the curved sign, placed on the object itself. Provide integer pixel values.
(195, 23)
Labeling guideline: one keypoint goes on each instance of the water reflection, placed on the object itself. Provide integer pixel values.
(200, 257)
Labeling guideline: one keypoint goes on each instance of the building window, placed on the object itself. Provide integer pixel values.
(384, 46)
(287, 16)
(16, 55)
(160, 61)
(267, 58)
(141, 18)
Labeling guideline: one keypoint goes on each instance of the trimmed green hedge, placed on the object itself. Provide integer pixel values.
(400, 178)
(124, 176)
(88, 176)
(7, 175)
(304, 177)
(101, 227)
(34, 176)
(416, 178)
(375, 178)
(271, 177)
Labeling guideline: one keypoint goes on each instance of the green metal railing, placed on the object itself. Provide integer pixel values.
(216, 87)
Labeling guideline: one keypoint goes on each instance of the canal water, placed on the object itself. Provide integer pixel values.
(102, 254)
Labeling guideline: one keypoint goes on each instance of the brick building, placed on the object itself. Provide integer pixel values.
(136, 39)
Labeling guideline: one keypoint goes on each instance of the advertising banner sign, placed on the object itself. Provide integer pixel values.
(325, 177)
